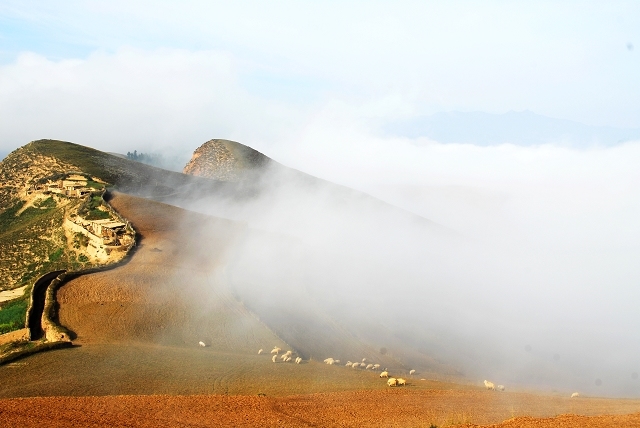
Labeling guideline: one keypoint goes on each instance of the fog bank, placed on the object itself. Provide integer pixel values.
(527, 275)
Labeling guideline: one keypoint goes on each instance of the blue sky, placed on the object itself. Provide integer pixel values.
(266, 73)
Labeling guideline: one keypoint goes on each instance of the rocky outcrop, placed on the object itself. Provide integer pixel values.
(226, 161)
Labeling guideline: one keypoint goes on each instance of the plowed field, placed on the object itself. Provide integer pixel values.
(388, 408)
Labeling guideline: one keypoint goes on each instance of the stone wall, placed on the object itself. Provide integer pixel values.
(53, 332)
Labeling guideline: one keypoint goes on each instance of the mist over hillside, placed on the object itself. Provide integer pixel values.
(486, 294)
(524, 274)
(522, 128)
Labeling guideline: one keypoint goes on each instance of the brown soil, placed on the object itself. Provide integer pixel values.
(138, 328)
(389, 408)
(170, 292)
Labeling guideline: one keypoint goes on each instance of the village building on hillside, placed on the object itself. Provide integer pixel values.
(104, 232)
(74, 186)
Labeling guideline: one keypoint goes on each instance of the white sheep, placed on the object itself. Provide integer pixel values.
(336, 361)
(276, 350)
(364, 360)
(401, 381)
(283, 357)
(201, 343)
(489, 385)
(392, 381)
(329, 361)
(411, 372)
(575, 395)
(287, 360)
(369, 366)
(348, 364)
(500, 387)
(363, 365)
(288, 353)
(260, 351)
(384, 374)
(298, 360)
(355, 365)
(376, 366)
(274, 358)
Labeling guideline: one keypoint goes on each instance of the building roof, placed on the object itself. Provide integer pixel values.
(108, 223)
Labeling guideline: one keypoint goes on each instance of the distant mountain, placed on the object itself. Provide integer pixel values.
(523, 128)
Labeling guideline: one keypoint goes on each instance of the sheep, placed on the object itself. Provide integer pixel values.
(274, 358)
(260, 351)
(355, 365)
(411, 372)
(363, 365)
(401, 381)
(364, 360)
(276, 350)
(329, 361)
(392, 381)
(489, 385)
(500, 387)
(288, 353)
(376, 366)
(201, 343)
(348, 364)
(298, 360)
(575, 395)
(384, 374)
(336, 361)
(369, 366)
(287, 360)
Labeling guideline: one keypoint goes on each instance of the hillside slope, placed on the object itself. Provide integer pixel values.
(198, 277)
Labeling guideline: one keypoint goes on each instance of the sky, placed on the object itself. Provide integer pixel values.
(313, 85)
(158, 74)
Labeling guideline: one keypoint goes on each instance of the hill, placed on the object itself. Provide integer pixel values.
(189, 280)
(226, 160)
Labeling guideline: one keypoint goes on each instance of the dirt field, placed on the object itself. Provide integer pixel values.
(389, 408)
(137, 361)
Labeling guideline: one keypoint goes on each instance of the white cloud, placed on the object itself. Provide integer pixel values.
(133, 99)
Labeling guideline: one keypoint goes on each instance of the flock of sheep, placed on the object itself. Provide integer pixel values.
(391, 381)
(288, 357)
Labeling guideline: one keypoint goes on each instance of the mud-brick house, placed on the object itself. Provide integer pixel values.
(111, 231)
(74, 188)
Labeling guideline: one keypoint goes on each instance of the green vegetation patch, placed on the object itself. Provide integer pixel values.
(13, 315)
(55, 256)
(8, 217)
(91, 209)
(95, 185)
(47, 203)
(9, 220)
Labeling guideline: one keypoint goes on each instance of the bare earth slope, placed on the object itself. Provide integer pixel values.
(168, 292)
(389, 408)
